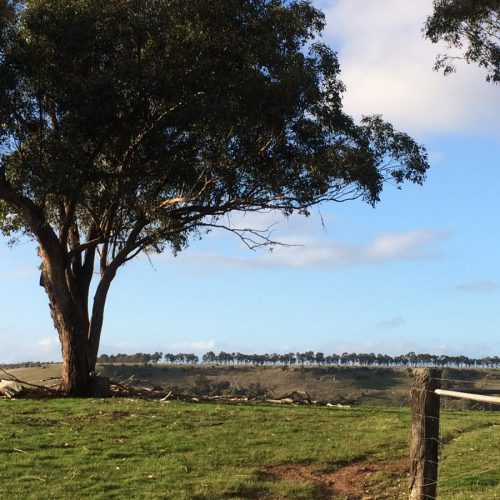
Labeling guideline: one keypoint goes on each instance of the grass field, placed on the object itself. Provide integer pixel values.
(124, 448)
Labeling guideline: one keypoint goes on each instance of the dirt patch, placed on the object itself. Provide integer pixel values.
(361, 480)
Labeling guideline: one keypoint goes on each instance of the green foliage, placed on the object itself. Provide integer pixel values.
(473, 26)
(161, 112)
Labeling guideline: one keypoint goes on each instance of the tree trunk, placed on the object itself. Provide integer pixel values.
(79, 352)
(96, 322)
(77, 371)
(79, 337)
(80, 342)
(66, 280)
(70, 317)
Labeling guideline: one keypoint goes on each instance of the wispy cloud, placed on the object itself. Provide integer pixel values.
(48, 343)
(317, 253)
(196, 345)
(46, 349)
(392, 324)
(18, 273)
(410, 245)
(485, 286)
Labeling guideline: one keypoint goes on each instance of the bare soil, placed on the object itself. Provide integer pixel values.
(359, 481)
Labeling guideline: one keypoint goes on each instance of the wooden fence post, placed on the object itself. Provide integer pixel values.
(424, 445)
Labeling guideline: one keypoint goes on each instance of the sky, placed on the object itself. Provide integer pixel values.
(420, 272)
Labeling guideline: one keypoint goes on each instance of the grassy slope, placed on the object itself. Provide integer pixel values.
(365, 385)
(143, 449)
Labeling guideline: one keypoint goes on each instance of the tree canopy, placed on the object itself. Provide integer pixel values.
(130, 126)
(473, 27)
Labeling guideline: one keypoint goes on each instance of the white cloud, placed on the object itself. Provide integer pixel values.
(197, 345)
(48, 343)
(393, 323)
(16, 345)
(46, 349)
(142, 346)
(318, 253)
(387, 66)
(408, 246)
(484, 286)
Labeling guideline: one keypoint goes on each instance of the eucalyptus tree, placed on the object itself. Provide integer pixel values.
(156, 357)
(319, 358)
(169, 357)
(470, 26)
(132, 126)
(288, 359)
(301, 358)
(209, 357)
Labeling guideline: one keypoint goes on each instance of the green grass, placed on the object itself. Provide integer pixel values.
(119, 448)
(470, 458)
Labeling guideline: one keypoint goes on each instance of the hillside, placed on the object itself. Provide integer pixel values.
(345, 385)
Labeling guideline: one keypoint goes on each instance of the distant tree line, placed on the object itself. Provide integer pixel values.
(309, 358)
(145, 358)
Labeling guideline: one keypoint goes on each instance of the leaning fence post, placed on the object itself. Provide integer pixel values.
(424, 445)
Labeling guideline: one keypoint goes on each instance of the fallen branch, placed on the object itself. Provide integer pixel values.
(9, 388)
(29, 384)
(123, 382)
(296, 397)
(166, 397)
(46, 379)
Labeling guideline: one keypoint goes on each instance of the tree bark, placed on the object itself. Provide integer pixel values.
(80, 344)
(95, 327)
(77, 372)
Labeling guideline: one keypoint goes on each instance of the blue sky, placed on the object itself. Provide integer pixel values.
(419, 272)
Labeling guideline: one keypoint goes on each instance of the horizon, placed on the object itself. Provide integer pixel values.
(306, 358)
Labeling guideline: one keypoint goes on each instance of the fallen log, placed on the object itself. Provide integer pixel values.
(9, 388)
(301, 397)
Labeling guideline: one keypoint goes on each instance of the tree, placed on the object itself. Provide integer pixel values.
(132, 126)
(301, 358)
(209, 357)
(473, 26)
(156, 357)
(169, 357)
(319, 358)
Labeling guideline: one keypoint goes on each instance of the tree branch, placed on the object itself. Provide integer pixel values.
(263, 236)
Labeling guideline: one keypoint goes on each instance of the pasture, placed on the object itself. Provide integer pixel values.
(119, 448)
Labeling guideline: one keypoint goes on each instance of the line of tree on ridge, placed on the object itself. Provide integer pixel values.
(308, 358)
